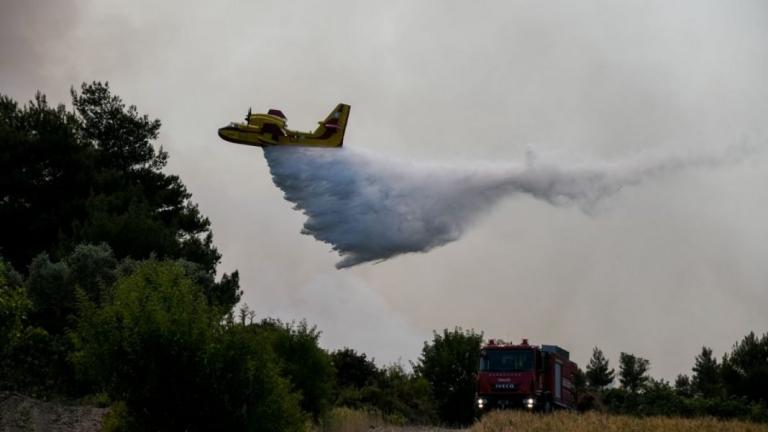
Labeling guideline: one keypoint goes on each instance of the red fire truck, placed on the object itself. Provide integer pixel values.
(525, 376)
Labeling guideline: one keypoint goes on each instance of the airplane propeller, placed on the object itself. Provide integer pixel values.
(248, 116)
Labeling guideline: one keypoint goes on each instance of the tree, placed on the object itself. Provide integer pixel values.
(405, 397)
(46, 174)
(632, 372)
(91, 176)
(683, 386)
(306, 366)
(579, 380)
(147, 344)
(14, 304)
(53, 297)
(744, 371)
(585, 399)
(31, 360)
(92, 269)
(14, 307)
(52, 286)
(245, 388)
(706, 375)
(658, 399)
(402, 396)
(353, 369)
(158, 346)
(136, 207)
(599, 374)
(449, 363)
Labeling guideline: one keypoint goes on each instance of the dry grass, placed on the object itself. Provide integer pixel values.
(349, 420)
(510, 421)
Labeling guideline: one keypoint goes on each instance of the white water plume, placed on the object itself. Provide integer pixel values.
(371, 208)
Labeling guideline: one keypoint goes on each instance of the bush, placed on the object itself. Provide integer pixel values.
(31, 360)
(157, 345)
(406, 395)
(307, 366)
(14, 306)
(247, 391)
(353, 369)
(450, 365)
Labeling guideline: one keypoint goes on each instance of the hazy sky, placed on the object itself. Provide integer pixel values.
(659, 270)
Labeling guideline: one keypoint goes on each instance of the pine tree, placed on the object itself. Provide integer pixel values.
(683, 385)
(744, 370)
(632, 372)
(599, 374)
(706, 375)
(94, 175)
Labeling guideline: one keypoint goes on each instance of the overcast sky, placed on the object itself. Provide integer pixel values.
(660, 270)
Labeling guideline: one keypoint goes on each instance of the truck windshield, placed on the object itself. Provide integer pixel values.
(506, 360)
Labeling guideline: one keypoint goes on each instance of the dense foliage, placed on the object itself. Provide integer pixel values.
(108, 293)
(449, 363)
(157, 345)
(304, 363)
(633, 372)
(92, 175)
(744, 371)
(402, 396)
(706, 375)
(712, 392)
(599, 374)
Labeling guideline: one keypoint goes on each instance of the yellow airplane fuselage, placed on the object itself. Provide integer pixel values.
(270, 130)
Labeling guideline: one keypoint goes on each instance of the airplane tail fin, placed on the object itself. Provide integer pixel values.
(334, 126)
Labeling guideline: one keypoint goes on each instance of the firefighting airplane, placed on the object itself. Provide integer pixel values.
(269, 129)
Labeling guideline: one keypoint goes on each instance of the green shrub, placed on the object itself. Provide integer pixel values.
(449, 363)
(31, 360)
(307, 366)
(157, 345)
(118, 419)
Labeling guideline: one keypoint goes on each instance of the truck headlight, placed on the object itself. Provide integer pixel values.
(529, 403)
(481, 403)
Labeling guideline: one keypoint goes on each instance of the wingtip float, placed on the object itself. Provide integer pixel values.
(270, 129)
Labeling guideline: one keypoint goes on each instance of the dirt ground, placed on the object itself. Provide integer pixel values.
(19, 413)
(414, 429)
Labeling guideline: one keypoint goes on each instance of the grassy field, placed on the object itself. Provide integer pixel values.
(349, 420)
(571, 422)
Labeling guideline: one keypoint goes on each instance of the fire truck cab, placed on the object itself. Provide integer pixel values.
(525, 376)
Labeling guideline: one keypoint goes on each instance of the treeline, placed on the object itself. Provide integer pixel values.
(734, 388)
(142, 337)
(108, 291)
(109, 295)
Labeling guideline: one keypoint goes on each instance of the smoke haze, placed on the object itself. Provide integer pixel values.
(372, 208)
(463, 81)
